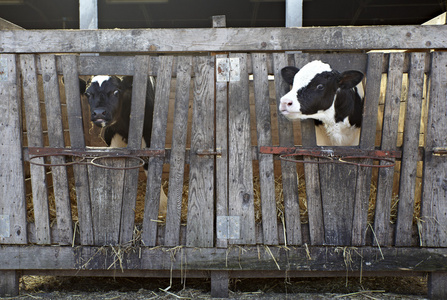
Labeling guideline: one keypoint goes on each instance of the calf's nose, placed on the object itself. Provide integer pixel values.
(98, 113)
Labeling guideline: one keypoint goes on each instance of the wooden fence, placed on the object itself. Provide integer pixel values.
(216, 134)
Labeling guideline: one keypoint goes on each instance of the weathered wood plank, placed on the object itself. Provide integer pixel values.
(200, 231)
(382, 226)
(410, 146)
(178, 154)
(158, 137)
(263, 125)
(224, 39)
(74, 113)
(437, 285)
(240, 181)
(219, 284)
(35, 139)
(434, 208)
(365, 259)
(106, 198)
(56, 139)
(9, 283)
(12, 178)
(367, 139)
(288, 169)
(140, 91)
(222, 145)
(311, 173)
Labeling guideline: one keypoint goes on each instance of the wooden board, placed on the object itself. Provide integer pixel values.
(240, 181)
(158, 137)
(222, 111)
(74, 112)
(140, 90)
(200, 231)
(288, 169)
(56, 139)
(367, 140)
(177, 161)
(410, 150)
(311, 173)
(12, 178)
(382, 225)
(35, 139)
(224, 39)
(434, 208)
(264, 137)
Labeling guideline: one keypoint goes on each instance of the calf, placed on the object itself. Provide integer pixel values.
(109, 98)
(333, 99)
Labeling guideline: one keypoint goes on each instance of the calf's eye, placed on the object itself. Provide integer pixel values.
(116, 92)
(320, 87)
(88, 95)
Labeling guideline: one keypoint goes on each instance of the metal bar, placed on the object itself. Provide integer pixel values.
(97, 151)
(330, 152)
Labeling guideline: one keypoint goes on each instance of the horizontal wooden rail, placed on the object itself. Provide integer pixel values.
(223, 39)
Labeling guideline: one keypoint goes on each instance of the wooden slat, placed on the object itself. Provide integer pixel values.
(140, 90)
(74, 112)
(311, 173)
(224, 39)
(434, 208)
(404, 223)
(56, 139)
(200, 230)
(222, 145)
(382, 225)
(12, 179)
(263, 126)
(240, 181)
(288, 169)
(177, 162)
(35, 139)
(158, 137)
(367, 139)
(106, 196)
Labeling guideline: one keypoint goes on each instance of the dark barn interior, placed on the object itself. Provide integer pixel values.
(64, 14)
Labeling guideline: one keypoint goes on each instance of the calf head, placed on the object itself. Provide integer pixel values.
(314, 89)
(105, 96)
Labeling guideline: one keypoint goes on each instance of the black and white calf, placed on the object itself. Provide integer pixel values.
(109, 98)
(333, 99)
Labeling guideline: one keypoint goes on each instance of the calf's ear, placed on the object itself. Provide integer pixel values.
(288, 73)
(350, 79)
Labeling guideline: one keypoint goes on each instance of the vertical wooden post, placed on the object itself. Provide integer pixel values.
(88, 14)
(437, 285)
(219, 284)
(9, 283)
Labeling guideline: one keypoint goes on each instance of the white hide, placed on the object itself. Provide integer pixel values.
(100, 79)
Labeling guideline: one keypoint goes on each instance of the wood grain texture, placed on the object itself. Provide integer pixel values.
(288, 169)
(12, 178)
(241, 201)
(224, 39)
(367, 139)
(382, 225)
(35, 139)
(410, 146)
(56, 139)
(222, 144)
(311, 172)
(177, 162)
(200, 231)
(75, 123)
(158, 138)
(140, 91)
(264, 137)
(434, 208)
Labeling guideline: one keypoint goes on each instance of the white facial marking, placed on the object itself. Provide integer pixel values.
(289, 104)
(100, 79)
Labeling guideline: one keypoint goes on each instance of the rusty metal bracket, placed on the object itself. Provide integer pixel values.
(92, 156)
(342, 155)
(440, 151)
